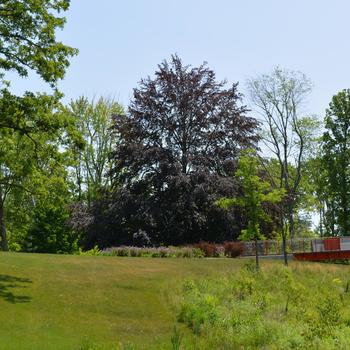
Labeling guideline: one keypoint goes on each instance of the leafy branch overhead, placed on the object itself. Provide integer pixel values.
(28, 38)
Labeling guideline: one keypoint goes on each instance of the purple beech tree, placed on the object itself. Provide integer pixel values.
(176, 153)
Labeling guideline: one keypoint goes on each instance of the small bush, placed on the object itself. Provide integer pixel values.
(329, 318)
(210, 250)
(123, 251)
(135, 251)
(233, 249)
(14, 247)
(182, 254)
(197, 253)
(94, 251)
(155, 253)
(164, 252)
(202, 309)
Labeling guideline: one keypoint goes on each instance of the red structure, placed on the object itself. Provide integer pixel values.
(321, 256)
(335, 248)
(332, 243)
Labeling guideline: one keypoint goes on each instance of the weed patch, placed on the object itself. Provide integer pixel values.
(275, 308)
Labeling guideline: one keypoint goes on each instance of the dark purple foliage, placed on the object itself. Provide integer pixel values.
(176, 155)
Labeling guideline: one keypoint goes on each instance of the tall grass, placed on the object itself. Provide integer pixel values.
(302, 307)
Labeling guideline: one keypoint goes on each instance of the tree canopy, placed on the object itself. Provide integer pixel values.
(28, 38)
(93, 173)
(32, 126)
(182, 121)
(336, 161)
(177, 150)
(92, 163)
(257, 191)
(287, 134)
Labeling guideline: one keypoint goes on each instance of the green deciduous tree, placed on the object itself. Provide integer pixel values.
(256, 193)
(320, 194)
(92, 163)
(48, 230)
(288, 136)
(28, 38)
(32, 128)
(336, 161)
(27, 149)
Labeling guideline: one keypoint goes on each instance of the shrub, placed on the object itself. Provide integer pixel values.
(197, 253)
(209, 249)
(164, 252)
(154, 252)
(233, 249)
(117, 251)
(202, 309)
(329, 318)
(123, 251)
(94, 251)
(183, 253)
(135, 251)
(14, 247)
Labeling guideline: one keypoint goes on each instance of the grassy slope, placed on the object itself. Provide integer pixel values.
(54, 301)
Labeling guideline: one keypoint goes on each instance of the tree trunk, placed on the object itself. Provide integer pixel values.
(88, 190)
(184, 162)
(330, 219)
(284, 240)
(4, 243)
(291, 223)
(79, 182)
(321, 215)
(256, 255)
(284, 246)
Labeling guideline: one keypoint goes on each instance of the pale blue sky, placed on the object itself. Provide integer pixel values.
(122, 41)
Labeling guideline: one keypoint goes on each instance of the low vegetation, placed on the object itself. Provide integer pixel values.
(70, 302)
(102, 303)
(199, 250)
(154, 252)
(302, 307)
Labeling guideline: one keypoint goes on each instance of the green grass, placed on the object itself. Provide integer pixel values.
(62, 302)
(304, 306)
(59, 301)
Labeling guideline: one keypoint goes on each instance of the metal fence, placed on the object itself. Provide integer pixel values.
(275, 247)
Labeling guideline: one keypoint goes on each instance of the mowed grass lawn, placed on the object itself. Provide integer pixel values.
(61, 301)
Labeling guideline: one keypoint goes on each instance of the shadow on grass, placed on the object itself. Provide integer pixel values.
(7, 282)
